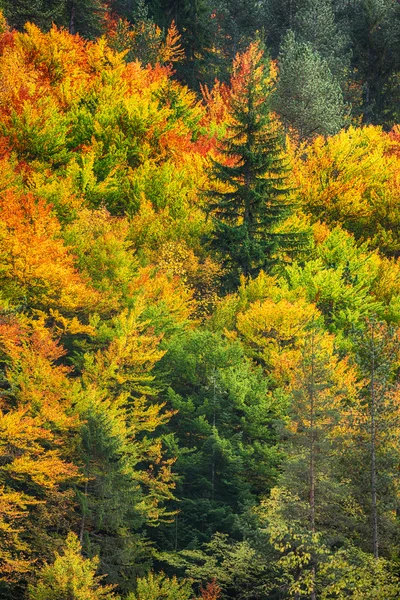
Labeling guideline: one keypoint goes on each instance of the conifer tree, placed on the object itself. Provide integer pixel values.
(251, 191)
(315, 24)
(309, 97)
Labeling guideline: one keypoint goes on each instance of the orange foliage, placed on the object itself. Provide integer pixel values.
(35, 438)
(35, 266)
(212, 591)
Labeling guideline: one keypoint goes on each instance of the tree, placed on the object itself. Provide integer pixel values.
(374, 426)
(309, 98)
(192, 18)
(70, 577)
(353, 178)
(37, 437)
(250, 196)
(374, 26)
(156, 586)
(224, 437)
(315, 23)
(85, 17)
(41, 12)
(127, 476)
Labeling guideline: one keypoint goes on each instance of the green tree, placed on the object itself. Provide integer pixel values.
(70, 577)
(374, 425)
(315, 23)
(224, 436)
(192, 18)
(41, 12)
(156, 586)
(374, 27)
(84, 16)
(250, 196)
(309, 97)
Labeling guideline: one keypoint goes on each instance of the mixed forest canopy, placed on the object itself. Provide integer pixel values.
(199, 300)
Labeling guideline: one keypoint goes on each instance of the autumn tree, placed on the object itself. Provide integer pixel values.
(38, 433)
(70, 577)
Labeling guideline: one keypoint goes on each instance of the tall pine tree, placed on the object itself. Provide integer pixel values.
(251, 194)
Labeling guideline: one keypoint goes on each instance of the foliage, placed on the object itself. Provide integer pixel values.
(70, 577)
(309, 98)
(216, 398)
(157, 586)
(251, 190)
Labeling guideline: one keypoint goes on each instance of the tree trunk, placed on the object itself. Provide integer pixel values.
(82, 527)
(72, 19)
(313, 595)
(375, 538)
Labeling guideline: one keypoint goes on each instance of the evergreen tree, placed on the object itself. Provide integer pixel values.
(315, 23)
(251, 192)
(280, 16)
(84, 16)
(192, 18)
(41, 12)
(309, 97)
(374, 26)
(224, 438)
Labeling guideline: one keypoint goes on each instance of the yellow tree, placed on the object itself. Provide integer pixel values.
(38, 433)
(70, 577)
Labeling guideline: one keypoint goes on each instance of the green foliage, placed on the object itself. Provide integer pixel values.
(251, 187)
(343, 572)
(237, 567)
(224, 432)
(70, 577)
(158, 586)
(315, 23)
(309, 98)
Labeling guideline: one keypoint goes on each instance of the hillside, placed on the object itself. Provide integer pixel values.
(199, 301)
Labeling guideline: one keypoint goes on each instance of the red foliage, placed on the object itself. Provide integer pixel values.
(212, 591)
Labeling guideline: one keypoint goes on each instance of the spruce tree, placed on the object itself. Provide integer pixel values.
(251, 194)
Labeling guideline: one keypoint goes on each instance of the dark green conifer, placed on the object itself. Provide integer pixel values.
(251, 193)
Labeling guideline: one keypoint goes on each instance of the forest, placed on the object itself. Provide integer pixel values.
(199, 299)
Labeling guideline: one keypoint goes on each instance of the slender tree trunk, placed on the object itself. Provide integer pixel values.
(375, 538)
(72, 19)
(176, 533)
(213, 452)
(82, 527)
(313, 595)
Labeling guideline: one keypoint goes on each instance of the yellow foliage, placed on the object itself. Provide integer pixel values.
(272, 333)
(353, 179)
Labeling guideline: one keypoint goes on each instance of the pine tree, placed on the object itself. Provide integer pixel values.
(251, 192)
(84, 16)
(309, 97)
(41, 12)
(315, 23)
